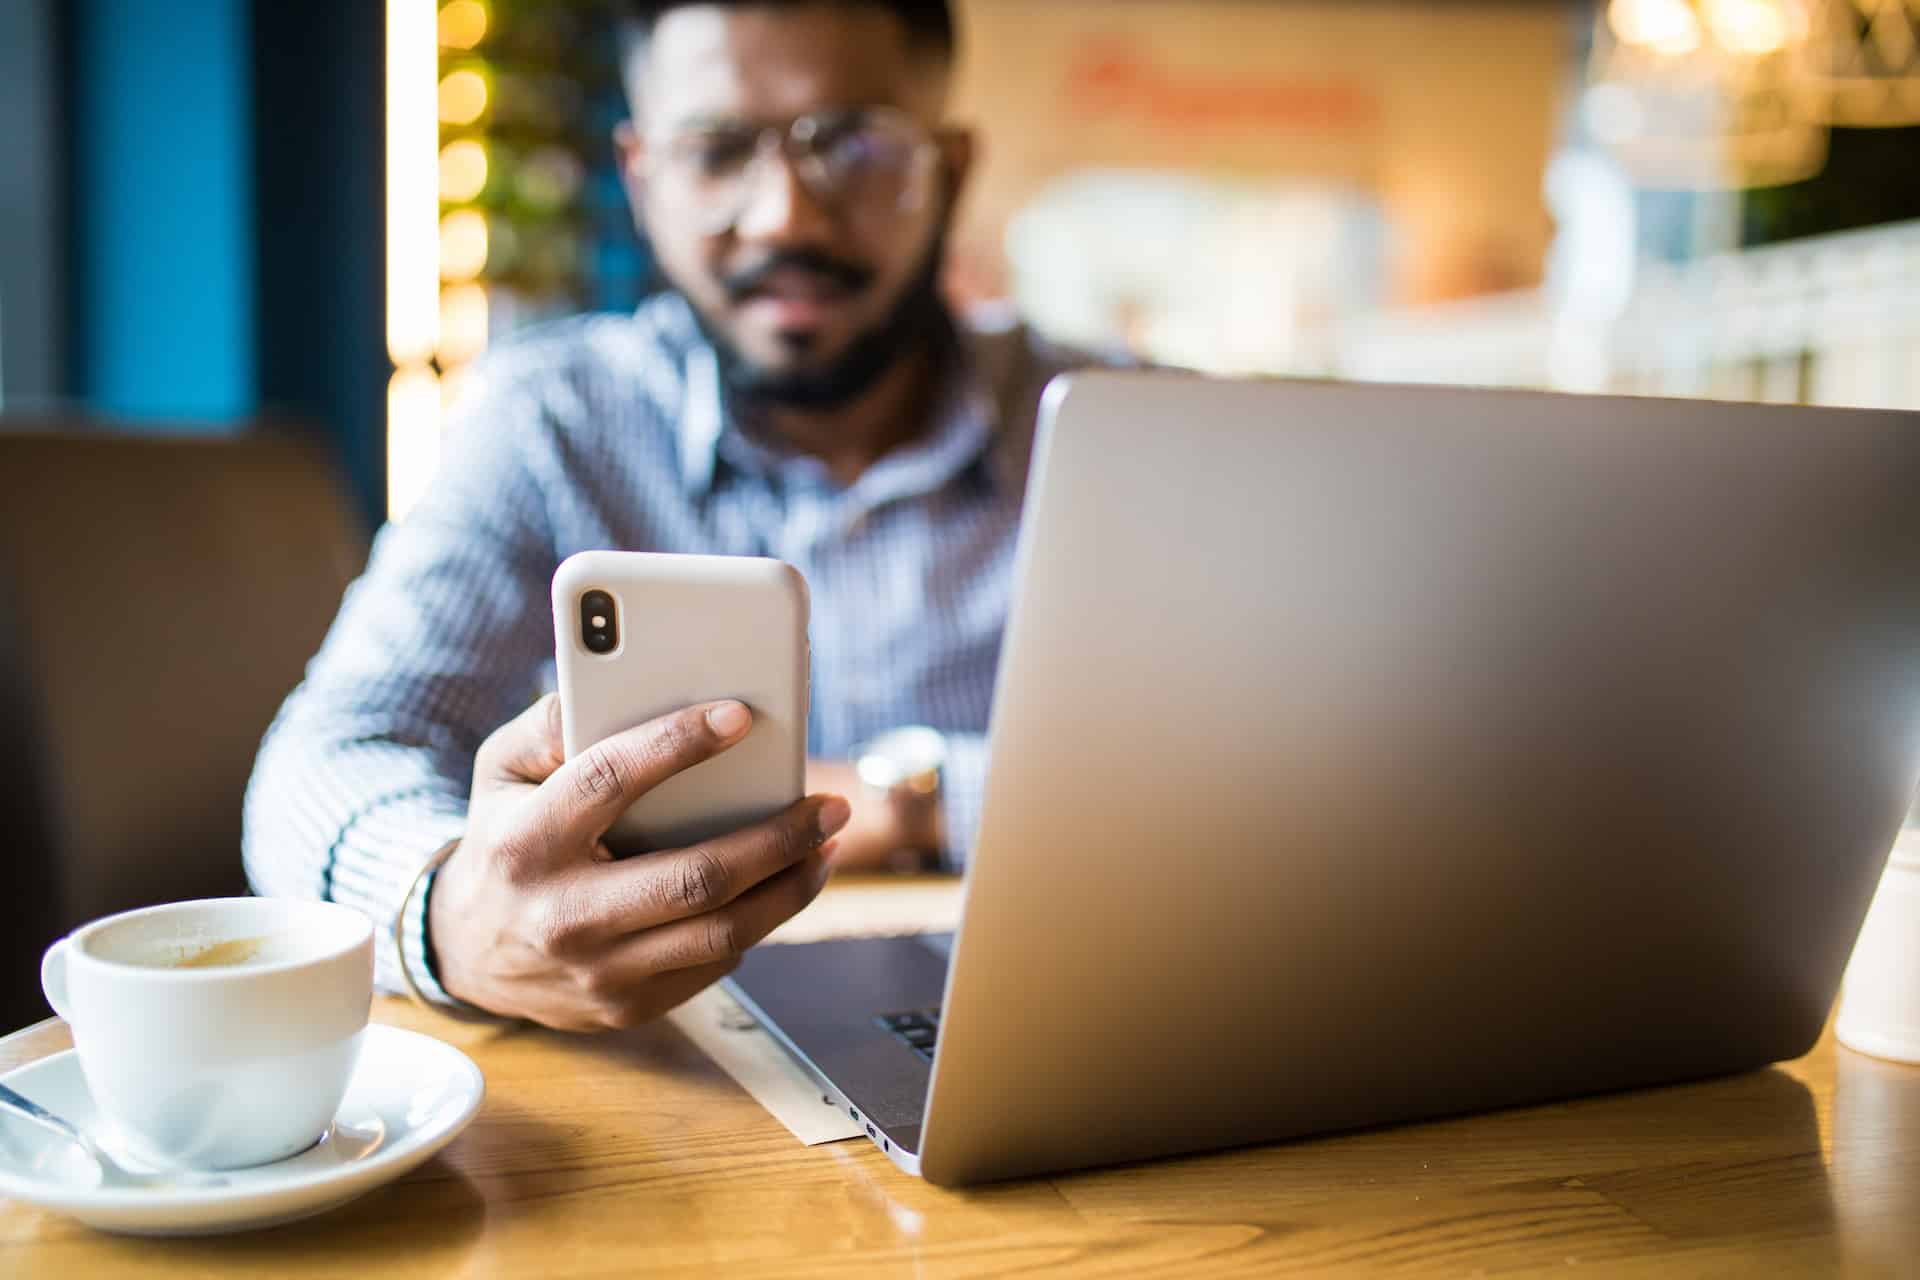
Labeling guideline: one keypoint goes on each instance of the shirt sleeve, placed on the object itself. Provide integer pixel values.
(963, 784)
(366, 770)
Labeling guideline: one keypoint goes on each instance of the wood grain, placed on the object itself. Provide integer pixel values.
(634, 1153)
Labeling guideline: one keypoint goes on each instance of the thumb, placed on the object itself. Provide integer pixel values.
(526, 749)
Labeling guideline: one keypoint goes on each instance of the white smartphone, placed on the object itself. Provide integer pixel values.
(638, 635)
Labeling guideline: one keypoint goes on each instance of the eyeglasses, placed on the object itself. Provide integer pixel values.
(874, 160)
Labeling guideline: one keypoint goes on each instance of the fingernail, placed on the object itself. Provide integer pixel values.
(729, 719)
(833, 815)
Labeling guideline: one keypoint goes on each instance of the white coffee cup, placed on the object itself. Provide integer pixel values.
(216, 1034)
(1880, 1000)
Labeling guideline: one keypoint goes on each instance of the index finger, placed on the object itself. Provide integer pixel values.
(674, 884)
(585, 796)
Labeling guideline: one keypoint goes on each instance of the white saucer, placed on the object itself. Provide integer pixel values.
(410, 1096)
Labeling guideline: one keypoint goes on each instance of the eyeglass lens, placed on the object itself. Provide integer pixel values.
(867, 161)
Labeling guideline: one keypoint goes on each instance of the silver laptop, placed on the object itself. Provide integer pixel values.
(1364, 754)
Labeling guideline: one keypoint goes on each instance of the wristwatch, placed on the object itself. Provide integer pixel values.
(902, 768)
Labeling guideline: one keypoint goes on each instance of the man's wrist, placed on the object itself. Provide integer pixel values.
(445, 996)
(420, 971)
(901, 772)
(922, 820)
(441, 949)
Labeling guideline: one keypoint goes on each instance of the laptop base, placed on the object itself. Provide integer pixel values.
(825, 1001)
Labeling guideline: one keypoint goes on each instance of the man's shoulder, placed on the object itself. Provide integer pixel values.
(596, 357)
(1015, 363)
(1009, 349)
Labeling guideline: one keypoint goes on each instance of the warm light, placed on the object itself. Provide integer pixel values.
(1683, 41)
(1753, 28)
(413, 200)
(463, 24)
(463, 96)
(413, 437)
(463, 323)
(463, 171)
(463, 244)
(1863, 61)
(1668, 26)
(1710, 95)
(1746, 28)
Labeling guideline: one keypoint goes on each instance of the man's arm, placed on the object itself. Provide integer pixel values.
(367, 768)
(389, 749)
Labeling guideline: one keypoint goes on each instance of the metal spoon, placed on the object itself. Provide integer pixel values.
(112, 1171)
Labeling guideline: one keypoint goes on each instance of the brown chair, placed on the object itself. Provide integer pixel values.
(158, 599)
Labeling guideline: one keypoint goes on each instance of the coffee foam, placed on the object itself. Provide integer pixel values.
(187, 944)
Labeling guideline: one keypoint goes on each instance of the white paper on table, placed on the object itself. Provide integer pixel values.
(729, 1035)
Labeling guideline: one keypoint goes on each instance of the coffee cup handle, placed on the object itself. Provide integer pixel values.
(53, 976)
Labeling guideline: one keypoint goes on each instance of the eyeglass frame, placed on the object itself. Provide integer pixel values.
(791, 140)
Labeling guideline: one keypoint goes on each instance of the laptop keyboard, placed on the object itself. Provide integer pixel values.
(918, 1030)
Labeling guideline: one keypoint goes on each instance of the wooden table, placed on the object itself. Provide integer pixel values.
(634, 1153)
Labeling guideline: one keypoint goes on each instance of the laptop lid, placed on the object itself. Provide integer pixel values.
(1368, 753)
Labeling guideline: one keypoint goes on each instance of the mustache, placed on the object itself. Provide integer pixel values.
(749, 280)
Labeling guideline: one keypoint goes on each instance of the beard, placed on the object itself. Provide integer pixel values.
(917, 320)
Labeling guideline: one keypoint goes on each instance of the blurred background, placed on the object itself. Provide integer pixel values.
(248, 249)
(224, 213)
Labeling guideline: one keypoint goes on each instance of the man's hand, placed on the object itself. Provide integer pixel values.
(532, 917)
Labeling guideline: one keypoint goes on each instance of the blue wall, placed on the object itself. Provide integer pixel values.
(162, 185)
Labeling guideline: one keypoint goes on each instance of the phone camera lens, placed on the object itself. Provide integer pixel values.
(599, 623)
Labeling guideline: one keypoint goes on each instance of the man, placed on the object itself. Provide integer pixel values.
(801, 393)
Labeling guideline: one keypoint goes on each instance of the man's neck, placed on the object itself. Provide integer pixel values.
(854, 436)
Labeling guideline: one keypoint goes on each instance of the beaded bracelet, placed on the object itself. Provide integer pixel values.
(459, 1013)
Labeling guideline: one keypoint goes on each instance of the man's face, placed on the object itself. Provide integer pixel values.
(798, 285)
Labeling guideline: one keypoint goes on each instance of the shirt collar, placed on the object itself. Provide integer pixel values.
(965, 422)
